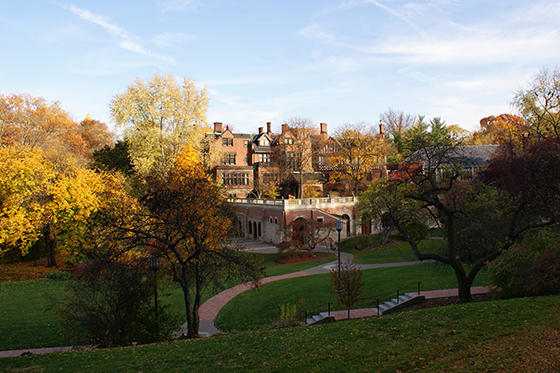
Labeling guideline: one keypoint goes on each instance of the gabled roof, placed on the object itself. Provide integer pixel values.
(469, 156)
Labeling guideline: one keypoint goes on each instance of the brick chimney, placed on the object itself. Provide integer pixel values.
(284, 128)
(260, 130)
(218, 127)
(381, 129)
(268, 128)
(323, 127)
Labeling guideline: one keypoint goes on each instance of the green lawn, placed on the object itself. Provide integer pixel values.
(258, 309)
(519, 335)
(25, 318)
(396, 251)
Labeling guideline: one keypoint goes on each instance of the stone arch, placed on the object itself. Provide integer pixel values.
(255, 230)
(348, 223)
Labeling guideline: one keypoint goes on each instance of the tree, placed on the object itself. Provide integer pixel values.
(116, 158)
(539, 104)
(505, 129)
(33, 122)
(424, 135)
(296, 148)
(159, 118)
(480, 221)
(359, 151)
(185, 220)
(43, 199)
(347, 284)
(110, 302)
(305, 235)
(397, 122)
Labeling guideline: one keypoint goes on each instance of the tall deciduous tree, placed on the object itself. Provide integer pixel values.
(504, 129)
(479, 221)
(359, 151)
(397, 122)
(159, 117)
(40, 198)
(539, 104)
(33, 122)
(185, 219)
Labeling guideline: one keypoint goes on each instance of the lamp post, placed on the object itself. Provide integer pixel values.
(154, 266)
(339, 228)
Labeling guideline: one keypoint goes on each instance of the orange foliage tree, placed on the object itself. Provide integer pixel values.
(503, 129)
(184, 219)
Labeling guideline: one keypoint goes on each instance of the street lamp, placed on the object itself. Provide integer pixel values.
(339, 228)
(154, 266)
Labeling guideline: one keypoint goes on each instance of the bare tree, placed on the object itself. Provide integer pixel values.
(396, 122)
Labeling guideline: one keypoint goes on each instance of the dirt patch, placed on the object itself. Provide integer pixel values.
(298, 258)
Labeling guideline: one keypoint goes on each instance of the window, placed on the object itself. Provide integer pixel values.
(264, 158)
(229, 158)
(275, 220)
(246, 143)
(288, 140)
(264, 142)
(227, 142)
(235, 178)
(320, 219)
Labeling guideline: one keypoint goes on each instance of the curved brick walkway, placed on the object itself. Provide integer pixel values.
(210, 309)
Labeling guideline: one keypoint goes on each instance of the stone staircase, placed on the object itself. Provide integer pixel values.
(402, 301)
(322, 318)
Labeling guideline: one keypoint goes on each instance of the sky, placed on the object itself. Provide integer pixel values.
(332, 61)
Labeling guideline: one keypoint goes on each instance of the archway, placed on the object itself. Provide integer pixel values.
(348, 228)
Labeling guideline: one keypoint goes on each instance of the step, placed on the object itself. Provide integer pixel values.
(395, 304)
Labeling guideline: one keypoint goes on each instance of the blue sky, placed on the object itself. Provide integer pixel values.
(333, 61)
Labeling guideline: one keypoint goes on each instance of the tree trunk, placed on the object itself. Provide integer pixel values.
(188, 309)
(50, 246)
(464, 287)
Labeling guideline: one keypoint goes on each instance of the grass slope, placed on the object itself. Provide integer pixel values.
(520, 335)
(258, 309)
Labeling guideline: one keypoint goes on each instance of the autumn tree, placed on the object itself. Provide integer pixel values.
(500, 130)
(114, 158)
(359, 151)
(160, 117)
(184, 219)
(539, 105)
(305, 235)
(347, 284)
(33, 122)
(43, 199)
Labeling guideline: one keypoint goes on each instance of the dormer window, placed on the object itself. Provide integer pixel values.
(264, 142)
(288, 140)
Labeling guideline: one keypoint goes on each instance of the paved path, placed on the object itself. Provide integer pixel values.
(210, 309)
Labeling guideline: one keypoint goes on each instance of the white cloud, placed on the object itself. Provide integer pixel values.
(128, 42)
(179, 5)
(167, 39)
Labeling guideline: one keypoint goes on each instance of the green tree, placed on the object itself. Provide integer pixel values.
(159, 118)
(479, 221)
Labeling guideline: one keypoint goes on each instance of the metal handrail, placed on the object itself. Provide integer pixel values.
(317, 306)
(397, 291)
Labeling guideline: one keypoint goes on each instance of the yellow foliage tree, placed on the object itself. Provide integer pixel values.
(359, 151)
(159, 118)
(41, 198)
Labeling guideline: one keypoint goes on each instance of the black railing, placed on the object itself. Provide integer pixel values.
(398, 293)
(305, 313)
